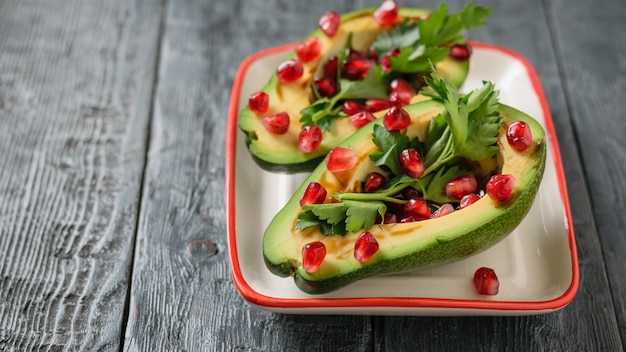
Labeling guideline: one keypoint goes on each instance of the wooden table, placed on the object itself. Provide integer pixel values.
(112, 220)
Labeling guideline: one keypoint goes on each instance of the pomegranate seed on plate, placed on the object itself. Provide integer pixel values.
(373, 182)
(468, 199)
(486, 281)
(310, 138)
(443, 210)
(290, 70)
(313, 255)
(361, 119)
(259, 102)
(365, 247)
(396, 119)
(309, 49)
(460, 52)
(314, 193)
(351, 107)
(500, 187)
(412, 163)
(277, 124)
(519, 135)
(461, 186)
(340, 159)
(329, 23)
(376, 104)
(387, 13)
(417, 209)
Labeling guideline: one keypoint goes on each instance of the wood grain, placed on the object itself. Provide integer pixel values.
(75, 88)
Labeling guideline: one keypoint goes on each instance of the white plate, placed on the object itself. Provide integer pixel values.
(537, 264)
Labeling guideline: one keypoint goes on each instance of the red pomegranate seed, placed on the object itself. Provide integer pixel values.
(309, 49)
(460, 52)
(443, 210)
(376, 104)
(486, 281)
(290, 70)
(372, 54)
(399, 99)
(326, 87)
(387, 13)
(401, 85)
(313, 255)
(259, 102)
(351, 107)
(373, 182)
(500, 187)
(461, 186)
(276, 124)
(329, 23)
(519, 135)
(412, 163)
(390, 218)
(355, 69)
(340, 159)
(385, 62)
(365, 247)
(417, 209)
(468, 199)
(361, 119)
(314, 193)
(396, 119)
(331, 69)
(309, 138)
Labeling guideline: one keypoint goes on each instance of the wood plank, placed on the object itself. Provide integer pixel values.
(591, 51)
(587, 324)
(75, 91)
(182, 301)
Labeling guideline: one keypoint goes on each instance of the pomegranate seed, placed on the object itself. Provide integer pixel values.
(309, 138)
(460, 52)
(390, 218)
(276, 124)
(486, 281)
(329, 23)
(356, 69)
(468, 199)
(385, 62)
(373, 182)
(396, 119)
(387, 13)
(410, 192)
(361, 119)
(309, 49)
(443, 210)
(417, 208)
(354, 54)
(290, 71)
(412, 163)
(340, 159)
(500, 187)
(326, 87)
(401, 85)
(461, 186)
(312, 256)
(365, 247)
(519, 135)
(259, 102)
(331, 69)
(399, 99)
(314, 193)
(407, 219)
(376, 104)
(351, 107)
(372, 54)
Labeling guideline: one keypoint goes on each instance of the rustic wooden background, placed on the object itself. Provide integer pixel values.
(112, 222)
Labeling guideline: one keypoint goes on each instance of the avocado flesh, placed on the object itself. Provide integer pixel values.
(279, 153)
(406, 246)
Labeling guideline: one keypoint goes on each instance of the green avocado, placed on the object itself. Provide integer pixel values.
(279, 153)
(412, 245)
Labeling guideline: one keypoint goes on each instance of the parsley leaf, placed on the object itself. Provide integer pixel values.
(440, 28)
(405, 35)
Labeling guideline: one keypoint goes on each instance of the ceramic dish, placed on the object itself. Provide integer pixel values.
(537, 264)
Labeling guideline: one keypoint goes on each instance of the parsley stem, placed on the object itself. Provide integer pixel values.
(385, 196)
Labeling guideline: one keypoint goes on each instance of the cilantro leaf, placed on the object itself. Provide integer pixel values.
(372, 86)
(404, 35)
(390, 144)
(362, 215)
(417, 59)
(440, 28)
(434, 184)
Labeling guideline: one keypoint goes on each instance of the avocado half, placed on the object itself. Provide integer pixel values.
(279, 153)
(413, 245)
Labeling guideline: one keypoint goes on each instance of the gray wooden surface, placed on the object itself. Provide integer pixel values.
(112, 222)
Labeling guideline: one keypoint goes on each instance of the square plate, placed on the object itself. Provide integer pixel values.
(537, 264)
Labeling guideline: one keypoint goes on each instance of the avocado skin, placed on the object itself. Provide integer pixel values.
(478, 238)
